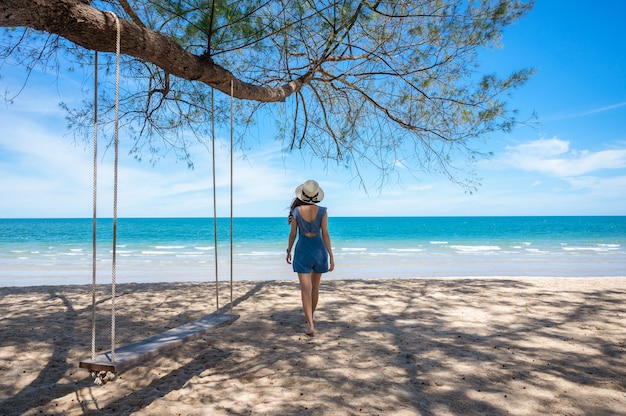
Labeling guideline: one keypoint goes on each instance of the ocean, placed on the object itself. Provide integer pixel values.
(37, 252)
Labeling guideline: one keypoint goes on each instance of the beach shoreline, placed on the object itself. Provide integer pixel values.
(411, 346)
(60, 251)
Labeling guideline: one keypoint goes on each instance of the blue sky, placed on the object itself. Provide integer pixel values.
(572, 163)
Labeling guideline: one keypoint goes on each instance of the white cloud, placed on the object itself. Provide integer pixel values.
(603, 187)
(588, 112)
(555, 158)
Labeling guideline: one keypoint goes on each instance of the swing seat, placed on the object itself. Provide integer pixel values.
(128, 355)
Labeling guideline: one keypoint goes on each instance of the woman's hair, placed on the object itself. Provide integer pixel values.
(296, 203)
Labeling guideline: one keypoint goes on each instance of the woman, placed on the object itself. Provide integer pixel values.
(313, 255)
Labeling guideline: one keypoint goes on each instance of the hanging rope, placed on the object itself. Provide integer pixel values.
(217, 295)
(95, 204)
(115, 170)
(95, 193)
(232, 87)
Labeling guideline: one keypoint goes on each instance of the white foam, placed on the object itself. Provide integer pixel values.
(474, 249)
(155, 253)
(610, 246)
(595, 249)
(261, 253)
(378, 254)
(536, 250)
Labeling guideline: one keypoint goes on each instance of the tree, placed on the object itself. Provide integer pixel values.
(392, 83)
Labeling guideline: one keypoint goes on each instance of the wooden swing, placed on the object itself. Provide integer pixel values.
(104, 365)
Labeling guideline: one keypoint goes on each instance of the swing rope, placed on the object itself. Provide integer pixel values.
(115, 170)
(215, 239)
(232, 87)
(217, 295)
(95, 204)
(95, 197)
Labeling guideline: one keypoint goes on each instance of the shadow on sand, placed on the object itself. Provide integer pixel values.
(444, 364)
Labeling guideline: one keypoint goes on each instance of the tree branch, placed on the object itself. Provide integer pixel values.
(95, 30)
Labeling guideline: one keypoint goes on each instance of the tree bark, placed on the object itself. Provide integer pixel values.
(95, 30)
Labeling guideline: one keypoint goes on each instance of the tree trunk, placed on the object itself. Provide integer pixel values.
(96, 30)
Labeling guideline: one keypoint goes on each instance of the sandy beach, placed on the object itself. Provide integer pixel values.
(493, 346)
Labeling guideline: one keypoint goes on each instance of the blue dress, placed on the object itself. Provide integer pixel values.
(310, 254)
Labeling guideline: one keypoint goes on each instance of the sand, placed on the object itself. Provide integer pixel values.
(492, 346)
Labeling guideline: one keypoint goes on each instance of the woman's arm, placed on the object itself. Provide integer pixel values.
(292, 238)
(326, 238)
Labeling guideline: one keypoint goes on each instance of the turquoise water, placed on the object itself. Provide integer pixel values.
(59, 251)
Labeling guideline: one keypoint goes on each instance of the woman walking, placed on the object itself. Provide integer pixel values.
(313, 254)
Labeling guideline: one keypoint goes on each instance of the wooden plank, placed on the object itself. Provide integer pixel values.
(128, 355)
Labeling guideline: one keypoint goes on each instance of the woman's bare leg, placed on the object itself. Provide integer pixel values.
(315, 289)
(306, 291)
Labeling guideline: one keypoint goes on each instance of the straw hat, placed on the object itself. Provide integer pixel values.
(310, 191)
